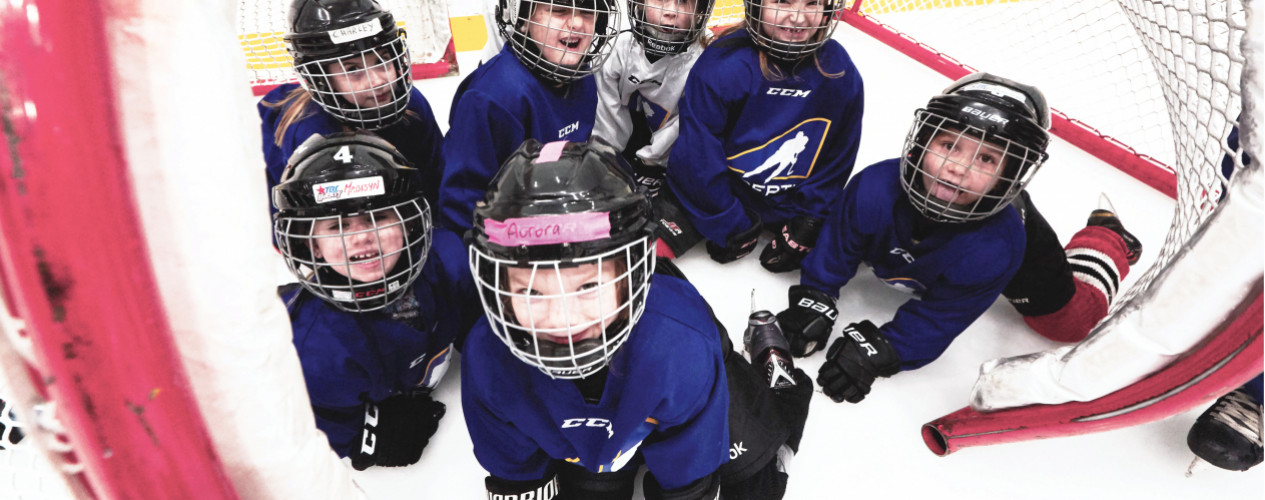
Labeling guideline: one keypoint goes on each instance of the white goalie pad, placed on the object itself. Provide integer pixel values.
(1220, 268)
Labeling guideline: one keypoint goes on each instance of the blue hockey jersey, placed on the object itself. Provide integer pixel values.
(496, 108)
(349, 359)
(666, 396)
(416, 136)
(778, 148)
(958, 270)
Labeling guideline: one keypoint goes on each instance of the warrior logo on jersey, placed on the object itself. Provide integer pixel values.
(655, 114)
(782, 163)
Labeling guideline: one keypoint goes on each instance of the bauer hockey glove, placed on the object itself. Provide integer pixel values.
(737, 245)
(854, 361)
(649, 176)
(396, 430)
(674, 233)
(788, 248)
(809, 319)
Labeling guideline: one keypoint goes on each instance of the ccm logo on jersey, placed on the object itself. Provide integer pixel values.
(830, 312)
(562, 132)
(788, 92)
(590, 422)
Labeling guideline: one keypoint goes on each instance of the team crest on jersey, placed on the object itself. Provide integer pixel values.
(907, 285)
(785, 161)
(656, 115)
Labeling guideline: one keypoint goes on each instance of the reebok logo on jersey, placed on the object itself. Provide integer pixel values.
(636, 80)
(562, 132)
(736, 450)
(788, 92)
(571, 423)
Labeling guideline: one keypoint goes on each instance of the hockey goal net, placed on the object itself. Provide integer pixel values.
(1152, 87)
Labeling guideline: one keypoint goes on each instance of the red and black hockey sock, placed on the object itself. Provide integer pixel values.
(1098, 260)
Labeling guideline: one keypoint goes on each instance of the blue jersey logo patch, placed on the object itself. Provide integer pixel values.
(656, 115)
(782, 163)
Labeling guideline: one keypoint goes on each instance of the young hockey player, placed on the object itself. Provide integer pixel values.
(591, 361)
(354, 74)
(939, 222)
(772, 116)
(538, 87)
(381, 296)
(641, 82)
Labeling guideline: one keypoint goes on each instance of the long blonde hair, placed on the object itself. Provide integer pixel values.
(773, 72)
(298, 104)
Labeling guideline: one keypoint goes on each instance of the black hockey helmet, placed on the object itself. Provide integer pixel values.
(513, 18)
(996, 115)
(662, 41)
(361, 34)
(556, 207)
(789, 51)
(356, 197)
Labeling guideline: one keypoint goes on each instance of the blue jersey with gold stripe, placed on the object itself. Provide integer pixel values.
(779, 148)
(666, 397)
(349, 359)
(957, 270)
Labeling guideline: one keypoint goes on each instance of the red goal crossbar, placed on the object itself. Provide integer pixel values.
(76, 271)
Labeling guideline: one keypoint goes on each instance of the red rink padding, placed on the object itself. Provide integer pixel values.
(1141, 167)
(446, 65)
(1223, 363)
(76, 270)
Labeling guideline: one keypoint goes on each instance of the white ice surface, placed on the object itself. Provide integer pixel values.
(875, 448)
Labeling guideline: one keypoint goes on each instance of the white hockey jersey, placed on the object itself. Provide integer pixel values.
(629, 84)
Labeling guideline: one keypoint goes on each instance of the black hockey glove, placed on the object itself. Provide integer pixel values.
(396, 431)
(650, 176)
(540, 489)
(674, 233)
(809, 319)
(854, 361)
(739, 244)
(788, 248)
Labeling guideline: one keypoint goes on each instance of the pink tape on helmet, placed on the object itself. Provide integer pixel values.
(551, 151)
(548, 229)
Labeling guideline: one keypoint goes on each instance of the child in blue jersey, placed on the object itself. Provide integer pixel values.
(538, 87)
(770, 124)
(354, 74)
(950, 221)
(381, 298)
(590, 363)
(641, 82)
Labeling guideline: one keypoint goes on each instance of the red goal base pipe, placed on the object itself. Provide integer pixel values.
(1223, 363)
(1111, 151)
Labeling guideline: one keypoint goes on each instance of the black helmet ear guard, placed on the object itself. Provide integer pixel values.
(998, 114)
(326, 37)
(356, 192)
(552, 210)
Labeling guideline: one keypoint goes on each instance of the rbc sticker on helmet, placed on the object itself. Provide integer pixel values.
(351, 188)
(780, 164)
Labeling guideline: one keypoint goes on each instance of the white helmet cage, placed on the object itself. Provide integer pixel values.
(982, 119)
(514, 18)
(331, 280)
(380, 79)
(789, 18)
(543, 333)
(663, 37)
